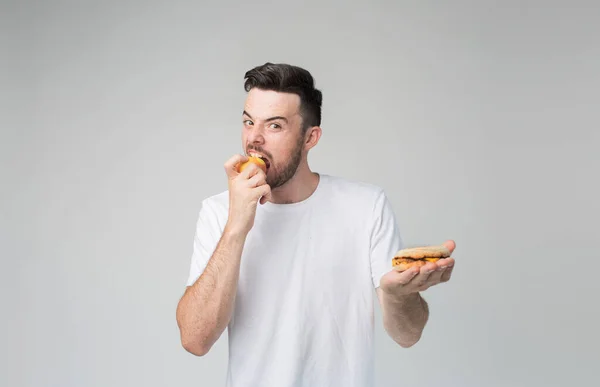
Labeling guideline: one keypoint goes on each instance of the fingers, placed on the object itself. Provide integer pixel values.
(250, 171)
(434, 273)
(231, 164)
(447, 273)
(421, 280)
(435, 277)
(258, 179)
(406, 276)
(252, 177)
(402, 280)
(402, 268)
(264, 192)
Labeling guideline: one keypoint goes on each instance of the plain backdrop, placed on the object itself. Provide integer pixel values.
(479, 118)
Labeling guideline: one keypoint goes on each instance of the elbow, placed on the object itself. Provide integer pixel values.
(193, 342)
(195, 347)
(198, 342)
(189, 341)
(405, 338)
(196, 350)
(408, 342)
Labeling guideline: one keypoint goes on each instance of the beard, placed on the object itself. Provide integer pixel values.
(282, 175)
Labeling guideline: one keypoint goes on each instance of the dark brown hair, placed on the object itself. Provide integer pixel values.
(286, 78)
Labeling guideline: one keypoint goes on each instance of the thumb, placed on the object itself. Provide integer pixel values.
(450, 245)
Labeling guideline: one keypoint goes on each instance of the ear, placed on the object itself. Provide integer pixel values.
(312, 137)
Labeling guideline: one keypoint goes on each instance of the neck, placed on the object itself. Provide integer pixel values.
(298, 188)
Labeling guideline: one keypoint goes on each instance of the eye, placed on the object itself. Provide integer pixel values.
(275, 126)
(248, 122)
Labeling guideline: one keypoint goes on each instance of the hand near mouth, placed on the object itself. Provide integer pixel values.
(253, 160)
(247, 186)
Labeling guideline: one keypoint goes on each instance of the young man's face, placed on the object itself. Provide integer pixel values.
(272, 129)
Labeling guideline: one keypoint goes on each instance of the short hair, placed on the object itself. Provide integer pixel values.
(286, 78)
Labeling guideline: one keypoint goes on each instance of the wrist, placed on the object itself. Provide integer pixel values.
(232, 231)
(402, 299)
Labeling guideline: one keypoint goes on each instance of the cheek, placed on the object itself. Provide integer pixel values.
(283, 154)
(280, 158)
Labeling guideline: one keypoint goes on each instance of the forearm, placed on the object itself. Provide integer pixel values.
(206, 307)
(404, 317)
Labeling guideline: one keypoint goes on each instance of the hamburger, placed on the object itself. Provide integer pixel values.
(419, 256)
(262, 164)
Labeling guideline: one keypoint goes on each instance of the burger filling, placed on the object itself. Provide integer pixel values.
(408, 261)
(263, 158)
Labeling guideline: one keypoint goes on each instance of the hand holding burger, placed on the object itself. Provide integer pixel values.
(417, 269)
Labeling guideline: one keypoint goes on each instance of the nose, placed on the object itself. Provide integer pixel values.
(255, 135)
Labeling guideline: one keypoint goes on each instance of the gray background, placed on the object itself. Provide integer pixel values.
(479, 118)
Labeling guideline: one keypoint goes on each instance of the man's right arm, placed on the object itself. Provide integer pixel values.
(206, 306)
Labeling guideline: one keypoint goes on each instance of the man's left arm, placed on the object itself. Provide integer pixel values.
(405, 312)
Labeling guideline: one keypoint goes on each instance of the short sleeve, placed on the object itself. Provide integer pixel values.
(206, 238)
(385, 238)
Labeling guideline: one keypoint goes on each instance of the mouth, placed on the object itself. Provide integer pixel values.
(260, 156)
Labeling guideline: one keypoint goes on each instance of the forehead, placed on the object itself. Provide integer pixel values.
(262, 104)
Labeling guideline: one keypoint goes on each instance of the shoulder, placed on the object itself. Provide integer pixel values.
(362, 197)
(351, 189)
(358, 201)
(216, 204)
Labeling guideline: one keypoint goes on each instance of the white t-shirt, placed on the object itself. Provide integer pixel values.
(304, 306)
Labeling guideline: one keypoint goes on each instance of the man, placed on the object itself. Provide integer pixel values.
(287, 260)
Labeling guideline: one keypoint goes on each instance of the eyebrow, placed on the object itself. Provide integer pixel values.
(268, 119)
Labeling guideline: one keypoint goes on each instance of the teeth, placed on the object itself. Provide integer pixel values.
(257, 155)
